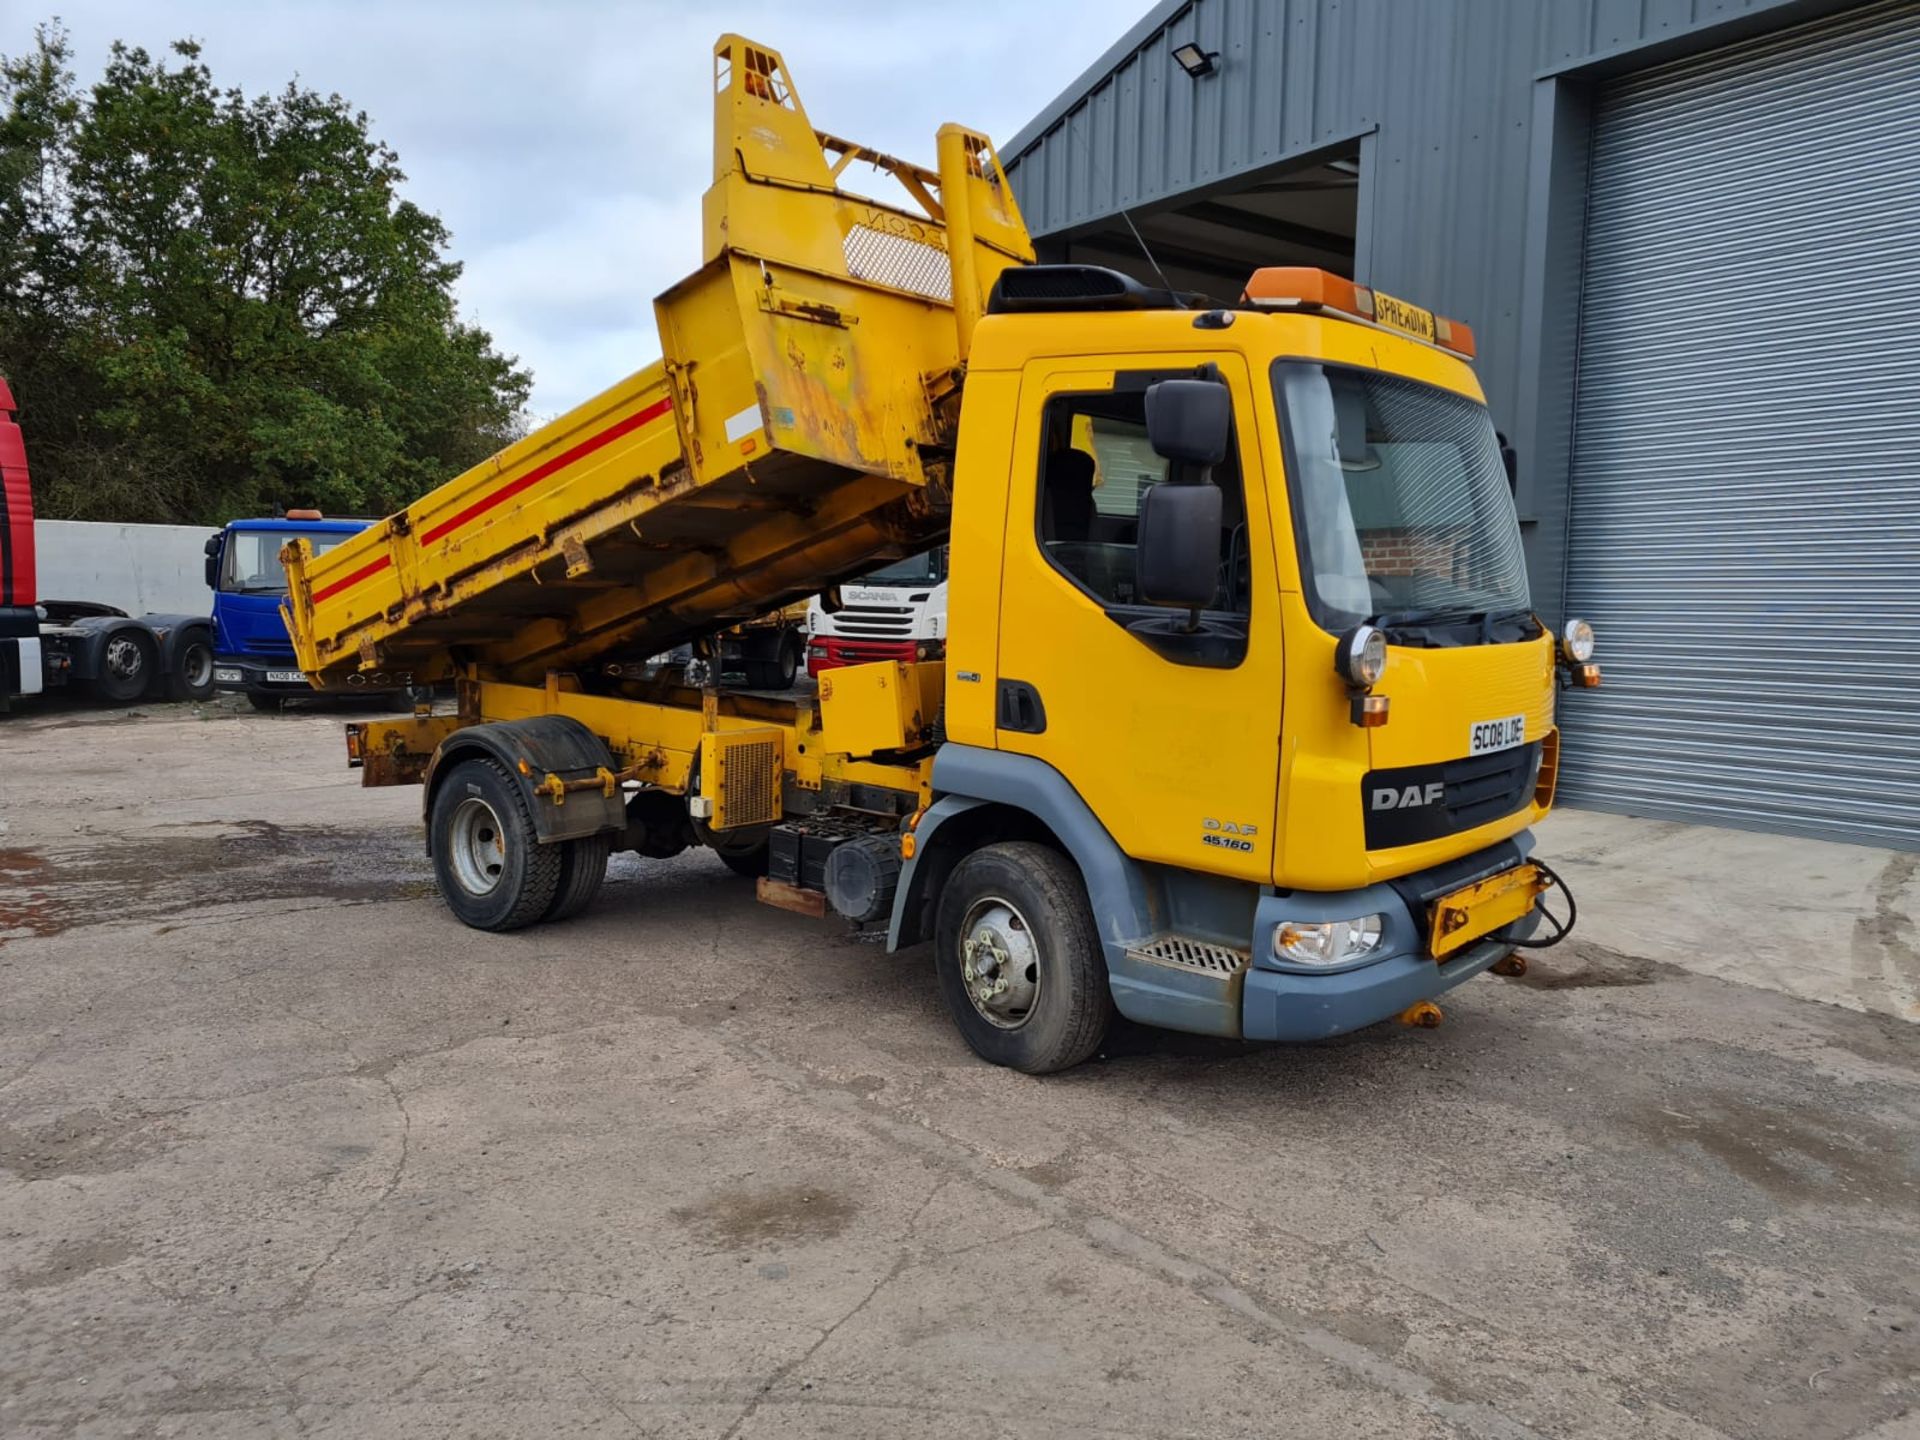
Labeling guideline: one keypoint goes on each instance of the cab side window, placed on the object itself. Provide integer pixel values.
(1094, 467)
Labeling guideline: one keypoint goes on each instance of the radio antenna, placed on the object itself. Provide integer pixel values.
(1138, 238)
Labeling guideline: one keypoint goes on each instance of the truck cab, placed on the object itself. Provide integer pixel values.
(253, 653)
(898, 612)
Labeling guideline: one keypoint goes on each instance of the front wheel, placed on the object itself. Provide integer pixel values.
(492, 869)
(1019, 959)
(265, 701)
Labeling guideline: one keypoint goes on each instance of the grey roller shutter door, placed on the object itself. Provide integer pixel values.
(1746, 474)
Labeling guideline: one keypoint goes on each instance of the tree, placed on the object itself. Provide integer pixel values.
(213, 304)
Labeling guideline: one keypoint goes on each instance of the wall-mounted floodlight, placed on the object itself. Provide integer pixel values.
(1195, 61)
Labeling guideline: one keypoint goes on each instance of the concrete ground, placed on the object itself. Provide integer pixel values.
(285, 1151)
(1805, 917)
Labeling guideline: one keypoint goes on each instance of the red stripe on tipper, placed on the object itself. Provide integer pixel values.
(373, 567)
(540, 472)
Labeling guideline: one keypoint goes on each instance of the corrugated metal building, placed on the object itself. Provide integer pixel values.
(1687, 236)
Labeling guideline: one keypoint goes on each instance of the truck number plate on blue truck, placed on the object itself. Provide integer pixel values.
(286, 677)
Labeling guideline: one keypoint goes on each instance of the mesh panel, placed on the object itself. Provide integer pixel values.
(1191, 955)
(749, 769)
(894, 260)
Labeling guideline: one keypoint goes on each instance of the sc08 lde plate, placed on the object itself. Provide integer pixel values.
(1473, 911)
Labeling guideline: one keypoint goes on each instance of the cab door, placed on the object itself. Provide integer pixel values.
(1168, 730)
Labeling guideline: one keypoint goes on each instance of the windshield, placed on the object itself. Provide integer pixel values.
(1400, 499)
(914, 570)
(252, 559)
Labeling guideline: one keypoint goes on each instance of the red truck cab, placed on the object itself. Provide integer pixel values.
(20, 672)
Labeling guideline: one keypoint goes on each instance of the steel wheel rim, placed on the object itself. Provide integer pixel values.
(999, 962)
(123, 657)
(477, 845)
(198, 665)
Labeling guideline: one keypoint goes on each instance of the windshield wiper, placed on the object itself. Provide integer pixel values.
(1485, 619)
(1396, 619)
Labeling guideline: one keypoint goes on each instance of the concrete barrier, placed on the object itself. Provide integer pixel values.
(139, 568)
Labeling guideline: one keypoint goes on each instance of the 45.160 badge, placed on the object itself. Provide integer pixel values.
(1228, 835)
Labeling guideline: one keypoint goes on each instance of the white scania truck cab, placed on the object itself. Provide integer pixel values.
(898, 612)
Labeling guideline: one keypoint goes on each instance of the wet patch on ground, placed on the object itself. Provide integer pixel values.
(179, 869)
(1793, 1156)
(1588, 967)
(84, 1142)
(742, 1219)
(68, 1261)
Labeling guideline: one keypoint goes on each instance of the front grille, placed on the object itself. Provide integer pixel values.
(1425, 802)
(886, 622)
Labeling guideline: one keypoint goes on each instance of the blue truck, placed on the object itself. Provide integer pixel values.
(253, 653)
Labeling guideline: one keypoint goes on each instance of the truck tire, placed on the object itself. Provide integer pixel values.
(126, 667)
(748, 863)
(787, 667)
(265, 702)
(583, 866)
(492, 869)
(1031, 993)
(191, 676)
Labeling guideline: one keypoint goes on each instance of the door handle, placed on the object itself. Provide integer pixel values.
(1020, 708)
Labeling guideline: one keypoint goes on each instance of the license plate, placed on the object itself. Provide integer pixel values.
(1410, 319)
(1483, 907)
(286, 677)
(1488, 736)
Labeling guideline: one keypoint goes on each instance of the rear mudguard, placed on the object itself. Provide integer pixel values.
(531, 751)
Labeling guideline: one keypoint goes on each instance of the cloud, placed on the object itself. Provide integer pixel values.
(566, 145)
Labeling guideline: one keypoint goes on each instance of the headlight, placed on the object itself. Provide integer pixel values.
(1331, 942)
(1576, 641)
(1361, 656)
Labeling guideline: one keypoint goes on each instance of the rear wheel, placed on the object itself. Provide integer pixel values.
(1019, 959)
(405, 702)
(126, 667)
(788, 666)
(583, 866)
(492, 869)
(192, 677)
(748, 863)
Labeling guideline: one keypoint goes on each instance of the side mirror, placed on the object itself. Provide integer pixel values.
(213, 559)
(1176, 560)
(1510, 460)
(1189, 421)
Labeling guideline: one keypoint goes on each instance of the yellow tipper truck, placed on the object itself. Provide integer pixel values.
(1244, 714)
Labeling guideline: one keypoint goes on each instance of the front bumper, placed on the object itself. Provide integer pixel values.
(1265, 1000)
(1287, 1005)
(249, 675)
(830, 652)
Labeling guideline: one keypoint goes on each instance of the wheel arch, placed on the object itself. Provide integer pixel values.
(530, 751)
(173, 634)
(988, 796)
(89, 635)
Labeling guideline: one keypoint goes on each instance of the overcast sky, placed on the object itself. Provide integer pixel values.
(566, 144)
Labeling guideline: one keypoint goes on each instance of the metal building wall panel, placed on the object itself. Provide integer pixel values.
(1745, 488)
(1448, 214)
